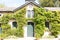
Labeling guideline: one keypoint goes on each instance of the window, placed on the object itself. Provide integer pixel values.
(14, 24)
(1, 14)
(0, 29)
(47, 24)
(30, 14)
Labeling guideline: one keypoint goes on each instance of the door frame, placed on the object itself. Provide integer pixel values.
(25, 30)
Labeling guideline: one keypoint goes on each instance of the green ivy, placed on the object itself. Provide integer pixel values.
(40, 17)
(19, 16)
(55, 23)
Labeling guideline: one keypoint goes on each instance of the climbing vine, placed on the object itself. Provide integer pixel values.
(19, 16)
(55, 23)
(40, 17)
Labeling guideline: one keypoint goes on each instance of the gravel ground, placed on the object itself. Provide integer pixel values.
(31, 39)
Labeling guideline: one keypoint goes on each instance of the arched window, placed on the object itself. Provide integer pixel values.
(30, 14)
(14, 24)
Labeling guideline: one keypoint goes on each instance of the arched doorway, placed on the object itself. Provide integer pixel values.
(30, 29)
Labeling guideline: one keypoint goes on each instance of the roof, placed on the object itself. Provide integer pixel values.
(29, 0)
(52, 8)
(26, 4)
(15, 9)
(7, 9)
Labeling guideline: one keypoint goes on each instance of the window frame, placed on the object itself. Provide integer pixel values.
(30, 13)
(47, 24)
(1, 14)
(15, 26)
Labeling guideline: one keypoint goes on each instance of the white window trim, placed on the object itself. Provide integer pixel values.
(31, 13)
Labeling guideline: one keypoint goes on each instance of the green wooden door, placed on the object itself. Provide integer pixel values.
(0, 30)
(30, 30)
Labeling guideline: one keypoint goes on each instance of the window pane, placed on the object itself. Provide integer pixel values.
(47, 24)
(14, 24)
(30, 13)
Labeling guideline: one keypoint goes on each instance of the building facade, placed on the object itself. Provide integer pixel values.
(29, 27)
